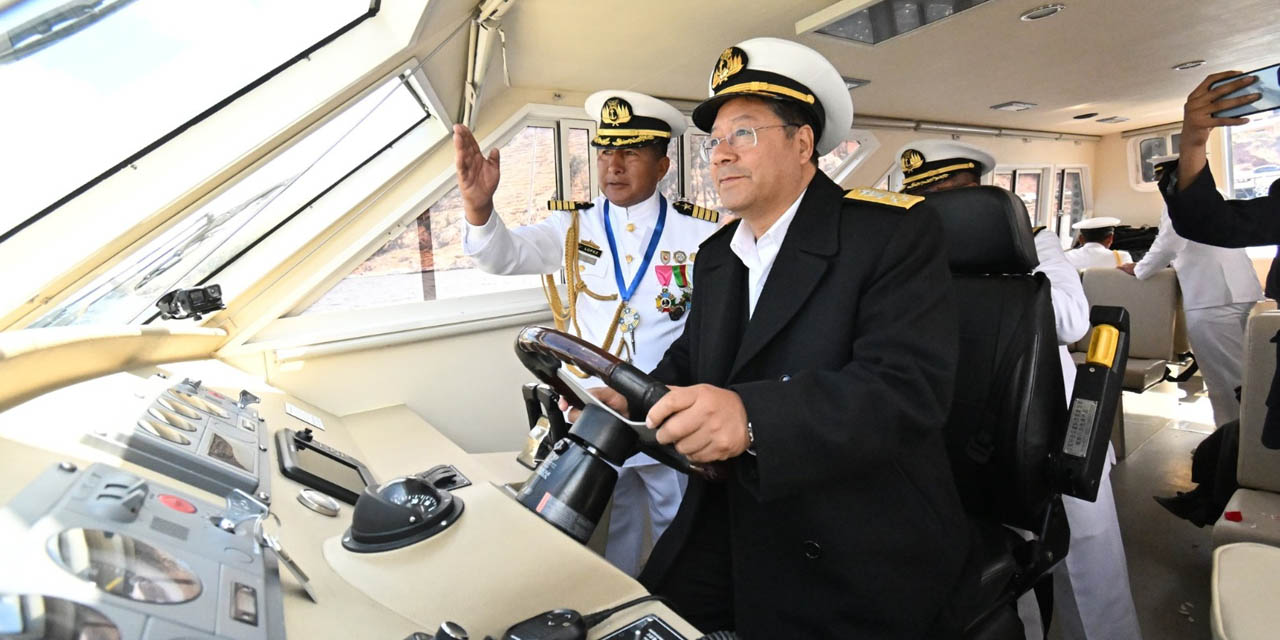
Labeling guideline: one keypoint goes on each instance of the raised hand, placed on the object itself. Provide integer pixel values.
(477, 175)
(1198, 120)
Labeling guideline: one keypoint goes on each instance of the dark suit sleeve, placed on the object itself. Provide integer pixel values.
(1201, 214)
(891, 400)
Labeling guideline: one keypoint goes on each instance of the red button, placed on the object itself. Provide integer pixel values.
(1234, 516)
(176, 503)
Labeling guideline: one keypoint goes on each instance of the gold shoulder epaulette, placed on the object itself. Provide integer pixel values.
(887, 198)
(694, 211)
(1038, 229)
(568, 205)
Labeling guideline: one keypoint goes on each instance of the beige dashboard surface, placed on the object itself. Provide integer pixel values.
(497, 565)
(33, 361)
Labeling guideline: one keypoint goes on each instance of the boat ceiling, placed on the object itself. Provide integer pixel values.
(1113, 57)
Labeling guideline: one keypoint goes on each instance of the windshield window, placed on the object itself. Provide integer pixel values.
(260, 202)
(91, 82)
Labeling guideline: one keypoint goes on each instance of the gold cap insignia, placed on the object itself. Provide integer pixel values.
(615, 111)
(731, 62)
(911, 160)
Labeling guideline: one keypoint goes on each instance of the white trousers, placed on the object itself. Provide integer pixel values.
(1091, 597)
(1217, 339)
(646, 496)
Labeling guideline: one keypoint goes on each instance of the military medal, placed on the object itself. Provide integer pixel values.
(681, 257)
(665, 301)
(681, 275)
(628, 316)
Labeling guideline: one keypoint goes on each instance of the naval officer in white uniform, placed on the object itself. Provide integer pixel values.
(1219, 289)
(628, 258)
(1096, 235)
(1091, 588)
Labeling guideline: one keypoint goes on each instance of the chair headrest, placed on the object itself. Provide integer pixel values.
(987, 231)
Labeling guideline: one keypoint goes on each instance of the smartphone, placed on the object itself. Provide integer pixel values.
(1268, 85)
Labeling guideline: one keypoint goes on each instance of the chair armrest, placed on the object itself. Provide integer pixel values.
(1094, 401)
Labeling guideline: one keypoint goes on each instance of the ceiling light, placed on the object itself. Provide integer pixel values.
(854, 83)
(1084, 116)
(1015, 105)
(1042, 12)
(1190, 64)
(1113, 119)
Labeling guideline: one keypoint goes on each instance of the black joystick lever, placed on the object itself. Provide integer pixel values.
(305, 435)
(560, 624)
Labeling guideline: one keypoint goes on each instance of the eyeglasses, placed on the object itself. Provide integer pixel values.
(741, 138)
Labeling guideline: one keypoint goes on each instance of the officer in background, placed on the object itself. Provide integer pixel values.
(1219, 288)
(1091, 587)
(628, 265)
(1096, 236)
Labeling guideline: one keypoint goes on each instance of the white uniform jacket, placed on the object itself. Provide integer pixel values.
(1208, 276)
(1093, 254)
(539, 248)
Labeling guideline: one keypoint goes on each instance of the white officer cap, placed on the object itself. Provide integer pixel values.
(630, 119)
(781, 70)
(1096, 223)
(927, 161)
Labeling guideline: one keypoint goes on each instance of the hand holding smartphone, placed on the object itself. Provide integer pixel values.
(1267, 83)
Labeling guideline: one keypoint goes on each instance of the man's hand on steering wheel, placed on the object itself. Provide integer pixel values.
(704, 422)
(609, 397)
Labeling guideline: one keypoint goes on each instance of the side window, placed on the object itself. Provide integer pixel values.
(1253, 155)
(1027, 187)
(1068, 196)
(834, 162)
(1148, 149)
(425, 261)
(581, 155)
(670, 184)
(1004, 180)
(700, 189)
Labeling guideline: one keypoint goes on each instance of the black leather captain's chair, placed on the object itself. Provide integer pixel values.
(1007, 434)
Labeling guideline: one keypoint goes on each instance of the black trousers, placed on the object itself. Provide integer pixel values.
(699, 582)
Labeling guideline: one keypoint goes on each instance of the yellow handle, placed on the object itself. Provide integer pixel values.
(1102, 346)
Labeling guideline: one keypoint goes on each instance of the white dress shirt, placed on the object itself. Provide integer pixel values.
(758, 254)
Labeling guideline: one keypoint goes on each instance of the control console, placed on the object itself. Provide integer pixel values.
(103, 553)
(199, 436)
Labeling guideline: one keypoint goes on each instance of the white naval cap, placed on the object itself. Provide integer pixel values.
(927, 161)
(631, 119)
(1163, 159)
(1096, 223)
(781, 70)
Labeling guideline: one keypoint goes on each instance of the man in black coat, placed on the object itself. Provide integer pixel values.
(1200, 213)
(819, 360)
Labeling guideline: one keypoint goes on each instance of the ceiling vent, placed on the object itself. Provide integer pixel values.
(874, 21)
(1015, 105)
(1113, 119)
